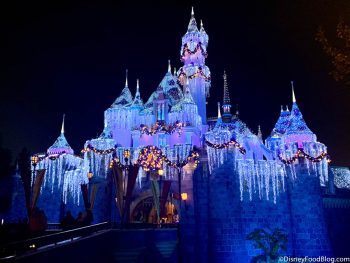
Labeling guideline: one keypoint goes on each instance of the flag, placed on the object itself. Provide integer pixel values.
(93, 196)
(37, 186)
(165, 191)
(133, 171)
(85, 192)
(119, 185)
(155, 192)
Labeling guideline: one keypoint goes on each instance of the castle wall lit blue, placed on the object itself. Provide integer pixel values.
(240, 184)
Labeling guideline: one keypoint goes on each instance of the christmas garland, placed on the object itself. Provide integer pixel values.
(152, 158)
(98, 151)
(162, 127)
(198, 47)
(35, 159)
(225, 145)
(302, 154)
(198, 73)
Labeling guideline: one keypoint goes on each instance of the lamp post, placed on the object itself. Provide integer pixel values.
(126, 154)
(161, 174)
(34, 160)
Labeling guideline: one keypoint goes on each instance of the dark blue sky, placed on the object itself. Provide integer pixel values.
(70, 58)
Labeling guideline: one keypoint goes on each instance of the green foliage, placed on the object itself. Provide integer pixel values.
(270, 242)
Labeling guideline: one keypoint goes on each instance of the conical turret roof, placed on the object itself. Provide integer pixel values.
(282, 122)
(170, 87)
(125, 97)
(137, 100)
(60, 145)
(192, 25)
(297, 124)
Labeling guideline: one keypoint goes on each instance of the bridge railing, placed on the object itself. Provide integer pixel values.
(20, 247)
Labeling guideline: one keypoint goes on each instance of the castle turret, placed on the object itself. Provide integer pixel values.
(297, 130)
(125, 97)
(226, 105)
(193, 54)
(60, 145)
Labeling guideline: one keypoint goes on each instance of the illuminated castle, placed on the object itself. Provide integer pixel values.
(241, 181)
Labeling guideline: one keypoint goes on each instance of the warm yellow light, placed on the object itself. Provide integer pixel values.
(161, 172)
(90, 175)
(127, 153)
(184, 196)
(34, 159)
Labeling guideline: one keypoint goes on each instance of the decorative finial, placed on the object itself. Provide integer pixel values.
(192, 12)
(259, 133)
(137, 86)
(237, 112)
(174, 71)
(126, 78)
(201, 23)
(281, 108)
(219, 112)
(169, 66)
(62, 128)
(287, 108)
(293, 95)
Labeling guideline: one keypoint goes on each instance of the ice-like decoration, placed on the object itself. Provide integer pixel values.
(98, 163)
(125, 97)
(265, 179)
(64, 173)
(341, 177)
(60, 146)
(282, 123)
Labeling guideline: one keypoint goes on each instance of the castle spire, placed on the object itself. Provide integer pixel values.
(137, 88)
(126, 78)
(169, 66)
(226, 100)
(62, 128)
(137, 100)
(174, 71)
(259, 133)
(226, 105)
(293, 95)
(282, 108)
(192, 26)
(219, 112)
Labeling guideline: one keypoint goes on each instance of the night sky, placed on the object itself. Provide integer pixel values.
(71, 58)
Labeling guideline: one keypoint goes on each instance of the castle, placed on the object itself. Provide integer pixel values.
(240, 183)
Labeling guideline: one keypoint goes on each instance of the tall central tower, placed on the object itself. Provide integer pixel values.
(193, 54)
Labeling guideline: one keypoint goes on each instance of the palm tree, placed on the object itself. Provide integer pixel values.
(270, 242)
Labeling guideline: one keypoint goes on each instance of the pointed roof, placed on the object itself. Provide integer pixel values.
(282, 122)
(192, 25)
(187, 99)
(60, 145)
(259, 133)
(219, 112)
(204, 36)
(297, 124)
(187, 96)
(125, 97)
(170, 87)
(106, 133)
(137, 100)
(202, 30)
